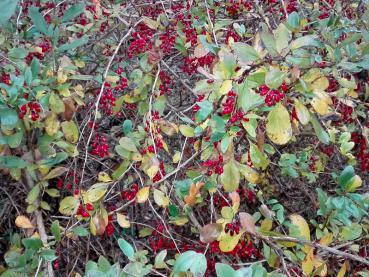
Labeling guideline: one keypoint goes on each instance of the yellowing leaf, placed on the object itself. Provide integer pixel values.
(230, 178)
(187, 131)
(152, 170)
(225, 87)
(320, 267)
(302, 112)
(112, 79)
(278, 127)
(354, 183)
(320, 83)
(190, 199)
(70, 131)
(176, 157)
(143, 194)
(68, 205)
(57, 171)
(321, 102)
(326, 240)
(104, 177)
(228, 242)
(179, 221)
(62, 78)
(250, 174)
(98, 224)
(302, 225)
(343, 269)
(95, 193)
(23, 222)
(160, 198)
(122, 221)
(308, 264)
(152, 24)
(52, 125)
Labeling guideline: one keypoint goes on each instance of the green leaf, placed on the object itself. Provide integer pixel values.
(74, 44)
(32, 243)
(258, 158)
(8, 117)
(38, 19)
(12, 162)
(190, 260)
(55, 230)
(126, 248)
(73, 11)
(127, 126)
(245, 52)
(128, 144)
(80, 231)
(206, 107)
(269, 43)
(224, 270)
(230, 177)
(33, 194)
(247, 98)
(305, 41)
(283, 36)
(294, 20)
(348, 181)
(351, 232)
(56, 104)
(48, 255)
(226, 141)
(7, 9)
(18, 53)
(274, 78)
(319, 131)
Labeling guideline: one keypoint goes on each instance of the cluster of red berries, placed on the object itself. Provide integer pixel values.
(157, 242)
(272, 96)
(166, 82)
(216, 165)
(100, 146)
(34, 109)
(244, 249)
(236, 7)
(84, 211)
(5, 78)
(327, 149)
(190, 65)
(168, 40)
(107, 101)
(228, 105)
(130, 194)
(69, 180)
(361, 150)
(232, 34)
(161, 173)
(109, 230)
(239, 115)
(141, 41)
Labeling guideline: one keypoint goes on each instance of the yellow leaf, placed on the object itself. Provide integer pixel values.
(152, 24)
(152, 170)
(302, 112)
(225, 87)
(62, 78)
(160, 198)
(176, 157)
(52, 125)
(321, 83)
(326, 240)
(104, 177)
(266, 225)
(122, 221)
(228, 242)
(343, 269)
(143, 194)
(23, 222)
(179, 221)
(278, 127)
(320, 267)
(250, 174)
(321, 102)
(308, 264)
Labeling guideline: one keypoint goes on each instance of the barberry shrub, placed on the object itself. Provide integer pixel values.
(184, 138)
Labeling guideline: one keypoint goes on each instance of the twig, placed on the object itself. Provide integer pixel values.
(211, 23)
(100, 95)
(315, 245)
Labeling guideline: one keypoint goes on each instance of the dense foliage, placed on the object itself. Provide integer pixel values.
(184, 138)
